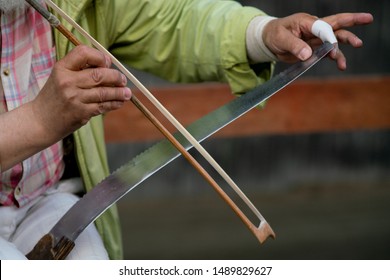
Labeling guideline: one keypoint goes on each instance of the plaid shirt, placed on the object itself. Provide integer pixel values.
(27, 57)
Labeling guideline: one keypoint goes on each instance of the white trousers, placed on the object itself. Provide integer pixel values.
(21, 228)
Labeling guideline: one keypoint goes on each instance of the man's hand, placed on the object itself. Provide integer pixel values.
(291, 39)
(80, 87)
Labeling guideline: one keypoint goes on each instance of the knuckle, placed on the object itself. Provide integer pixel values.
(97, 75)
(302, 15)
(117, 105)
(102, 94)
(105, 107)
(82, 50)
(101, 108)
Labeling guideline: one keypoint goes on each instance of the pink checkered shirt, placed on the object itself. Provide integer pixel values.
(27, 57)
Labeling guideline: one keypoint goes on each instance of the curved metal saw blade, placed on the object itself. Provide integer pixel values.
(126, 178)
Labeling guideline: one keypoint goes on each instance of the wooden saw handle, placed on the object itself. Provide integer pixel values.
(46, 250)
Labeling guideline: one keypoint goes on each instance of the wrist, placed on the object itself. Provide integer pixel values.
(257, 51)
(43, 125)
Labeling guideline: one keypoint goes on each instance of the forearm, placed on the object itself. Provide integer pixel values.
(21, 136)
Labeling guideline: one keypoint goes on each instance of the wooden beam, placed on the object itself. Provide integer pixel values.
(307, 105)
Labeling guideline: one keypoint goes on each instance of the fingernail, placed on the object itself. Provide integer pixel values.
(343, 65)
(304, 54)
(358, 42)
(127, 93)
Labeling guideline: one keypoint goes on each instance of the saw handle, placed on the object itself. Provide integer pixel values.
(45, 249)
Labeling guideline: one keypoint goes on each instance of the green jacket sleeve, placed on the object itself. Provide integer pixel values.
(185, 40)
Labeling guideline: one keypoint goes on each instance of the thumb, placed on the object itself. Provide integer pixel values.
(297, 47)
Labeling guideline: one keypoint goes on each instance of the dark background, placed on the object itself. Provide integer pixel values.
(326, 195)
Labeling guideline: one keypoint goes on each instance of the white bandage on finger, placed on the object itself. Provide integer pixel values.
(324, 31)
(256, 49)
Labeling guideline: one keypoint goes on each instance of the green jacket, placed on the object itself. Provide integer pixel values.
(179, 40)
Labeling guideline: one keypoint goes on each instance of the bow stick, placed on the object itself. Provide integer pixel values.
(263, 231)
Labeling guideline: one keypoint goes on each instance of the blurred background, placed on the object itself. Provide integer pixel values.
(326, 193)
